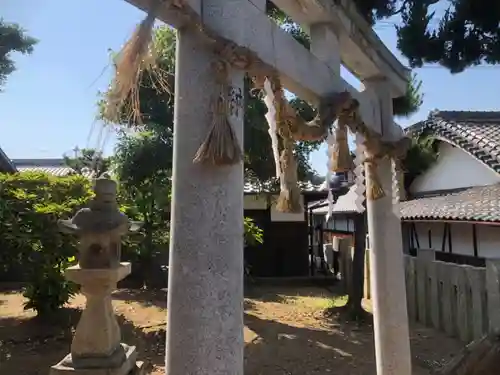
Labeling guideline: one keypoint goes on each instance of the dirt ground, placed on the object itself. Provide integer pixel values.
(285, 334)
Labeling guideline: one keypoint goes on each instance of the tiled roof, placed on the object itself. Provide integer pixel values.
(478, 133)
(54, 171)
(54, 167)
(479, 203)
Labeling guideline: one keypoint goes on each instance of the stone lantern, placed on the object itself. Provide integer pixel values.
(96, 348)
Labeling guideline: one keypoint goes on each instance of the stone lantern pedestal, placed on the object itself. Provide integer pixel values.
(96, 348)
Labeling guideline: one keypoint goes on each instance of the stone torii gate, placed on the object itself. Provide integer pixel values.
(205, 299)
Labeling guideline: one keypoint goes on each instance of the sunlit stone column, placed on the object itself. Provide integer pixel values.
(205, 292)
(392, 344)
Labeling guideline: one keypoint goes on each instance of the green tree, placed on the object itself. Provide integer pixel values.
(464, 35)
(12, 39)
(142, 164)
(157, 116)
(421, 155)
(253, 235)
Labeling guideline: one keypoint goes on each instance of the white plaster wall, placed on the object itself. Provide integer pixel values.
(488, 238)
(489, 241)
(454, 169)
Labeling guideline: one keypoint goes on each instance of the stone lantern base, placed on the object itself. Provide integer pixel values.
(96, 348)
(129, 367)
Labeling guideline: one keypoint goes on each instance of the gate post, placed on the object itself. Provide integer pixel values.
(392, 344)
(205, 291)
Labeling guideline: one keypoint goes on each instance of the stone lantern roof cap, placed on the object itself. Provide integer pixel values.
(103, 214)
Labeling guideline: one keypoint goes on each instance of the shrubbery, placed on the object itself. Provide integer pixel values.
(30, 241)
(32, 245)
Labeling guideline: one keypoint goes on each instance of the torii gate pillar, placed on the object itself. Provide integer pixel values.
(392, 344)
(205, 291)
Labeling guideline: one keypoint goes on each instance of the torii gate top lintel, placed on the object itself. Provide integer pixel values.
(360, 48)
(300, 71)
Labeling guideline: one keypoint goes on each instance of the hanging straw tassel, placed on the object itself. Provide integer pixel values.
(134, 57)
(340, 156)
(374, 188)
(289, 198)
(271, 120)
(221, 146)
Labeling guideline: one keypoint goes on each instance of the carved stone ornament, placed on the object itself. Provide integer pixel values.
(100, 227)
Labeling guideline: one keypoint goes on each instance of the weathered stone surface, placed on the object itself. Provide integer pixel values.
(480, 357)
(205, 288)
(100, 228)
(411, 297)
(98, 332)
(493, 292)
(421, 290)
(96, 348)
(100, 365)
(426, 254)
(390, 316)
(477, 282)
(450, 297)
(433, 294)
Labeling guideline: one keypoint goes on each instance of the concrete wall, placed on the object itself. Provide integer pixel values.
(462, 301)
(454, 169)
(488, 238)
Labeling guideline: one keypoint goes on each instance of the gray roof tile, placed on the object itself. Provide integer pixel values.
(479, 203)
(476, 132)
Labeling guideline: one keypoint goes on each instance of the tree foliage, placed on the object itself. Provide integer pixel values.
(467, 33)
(253, 234)
(143, 163)
(35, 251)
(30, 205)
(12, 39)
(421, 155)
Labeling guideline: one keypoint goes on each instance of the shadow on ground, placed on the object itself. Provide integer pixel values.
(30, 346)
(284, 335)
(158, 297)
(146, 297)
(280, 294)
(304, 350)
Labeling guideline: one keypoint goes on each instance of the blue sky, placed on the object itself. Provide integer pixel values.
(49, 104)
